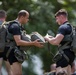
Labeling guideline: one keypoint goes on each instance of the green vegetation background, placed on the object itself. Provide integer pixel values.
(41, 20)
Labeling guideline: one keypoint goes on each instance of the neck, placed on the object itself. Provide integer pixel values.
(3, 18)
(18, 20)
(64, 21)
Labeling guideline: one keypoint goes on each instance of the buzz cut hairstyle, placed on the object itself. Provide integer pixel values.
(22, 13)
(2, 13)
(61, 12)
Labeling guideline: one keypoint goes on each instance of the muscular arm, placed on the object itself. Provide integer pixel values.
(20, 42)
(55, 40)
(62, 31)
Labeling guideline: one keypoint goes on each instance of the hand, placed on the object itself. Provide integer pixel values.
(46, 38)
(38, 44)
(50, 36)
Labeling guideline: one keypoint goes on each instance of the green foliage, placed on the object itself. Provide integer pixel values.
(41, 19)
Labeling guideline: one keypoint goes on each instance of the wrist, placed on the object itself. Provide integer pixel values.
(32, 43)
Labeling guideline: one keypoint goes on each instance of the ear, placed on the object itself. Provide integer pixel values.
(22, 16)
(62, 16)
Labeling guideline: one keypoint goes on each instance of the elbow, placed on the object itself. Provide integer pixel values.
(18, 43)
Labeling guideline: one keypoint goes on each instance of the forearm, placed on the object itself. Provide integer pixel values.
(53, 41)
(24, 43)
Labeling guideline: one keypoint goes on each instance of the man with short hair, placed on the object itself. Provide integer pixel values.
(3, 16)
(65, 55)
(15, 29)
